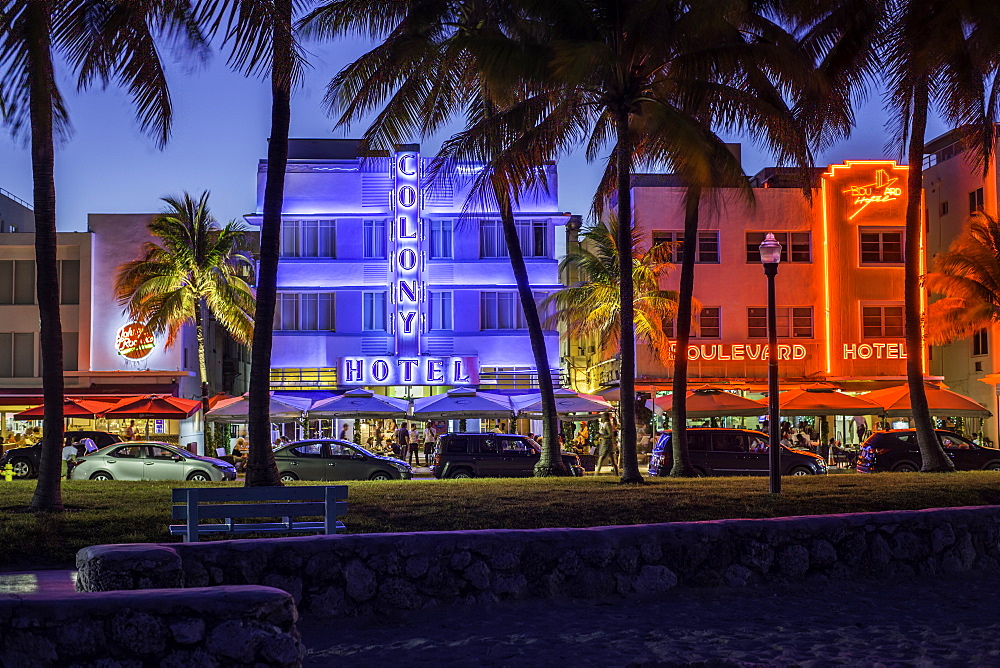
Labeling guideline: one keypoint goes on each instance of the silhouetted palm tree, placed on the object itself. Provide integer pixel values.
(100, 41)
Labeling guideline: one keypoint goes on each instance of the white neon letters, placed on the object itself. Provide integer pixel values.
(453, 370)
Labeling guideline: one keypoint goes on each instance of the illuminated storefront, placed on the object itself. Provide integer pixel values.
(388, 280)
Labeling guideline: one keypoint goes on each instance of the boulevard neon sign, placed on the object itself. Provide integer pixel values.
(736, 352)
(423, 370)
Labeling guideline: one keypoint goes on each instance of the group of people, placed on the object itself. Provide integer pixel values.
(409, 443)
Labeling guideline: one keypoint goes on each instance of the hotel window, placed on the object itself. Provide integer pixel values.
(943, 208)
(881, 246)
(69, 281)
(17, 281)
(442, 239)
(793, 322)
(374, 239)
(305, 312)
(708, 324)
(976, 200)
(441, 310)
(796, 247)
(499, 310)
(373, 312)
(980, 343)
(308, 238)
(17, 355)
(707, 251)
(880, 321)
(532, 235)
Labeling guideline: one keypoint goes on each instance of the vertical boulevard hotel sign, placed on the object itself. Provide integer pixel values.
(408, 300)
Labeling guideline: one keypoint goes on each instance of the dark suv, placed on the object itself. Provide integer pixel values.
(896, 450)
(732, 452)
(491, 456)
(25, 461)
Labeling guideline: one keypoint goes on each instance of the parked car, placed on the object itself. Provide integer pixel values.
(717, 452)
(333, 459)
(896, 450)
(150, 461)
(25, 460)
(491, 456)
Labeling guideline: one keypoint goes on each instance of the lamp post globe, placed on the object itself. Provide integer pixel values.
(770, 256)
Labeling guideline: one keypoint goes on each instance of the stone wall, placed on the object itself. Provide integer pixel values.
(178, 628)
(373, 573)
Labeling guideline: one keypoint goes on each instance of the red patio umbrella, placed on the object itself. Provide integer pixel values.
(79, 408)
(713, 402)
(154, 407)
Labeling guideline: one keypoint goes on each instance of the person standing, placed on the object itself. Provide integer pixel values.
(430, 437)
(403, 441)
(861, 427)
(130, 431)
(606, 449)
(69, 453)
(414, 440)
(343, 432)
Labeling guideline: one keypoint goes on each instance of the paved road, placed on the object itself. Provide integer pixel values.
(951, 621)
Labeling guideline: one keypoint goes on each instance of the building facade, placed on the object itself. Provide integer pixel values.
(396, 281)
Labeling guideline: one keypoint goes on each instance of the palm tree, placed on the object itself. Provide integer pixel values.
(195, 270)
(968, 275)
(939, 52)
(100, 41)
(429, 69)
(590, 307)
(262, 41)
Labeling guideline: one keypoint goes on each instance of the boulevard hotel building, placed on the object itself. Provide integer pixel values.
(389, 280)
(839, 284)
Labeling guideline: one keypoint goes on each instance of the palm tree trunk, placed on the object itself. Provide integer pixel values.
(261, 469)
(931, 452)
(48, 490)
(681, 456)
(550, 461)
(626, 383)
(199, 328)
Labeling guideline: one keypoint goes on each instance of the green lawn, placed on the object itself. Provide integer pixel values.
(133, 512)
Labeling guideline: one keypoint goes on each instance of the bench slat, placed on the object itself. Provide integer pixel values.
(215, 511)
(236, 494)
(176, 529)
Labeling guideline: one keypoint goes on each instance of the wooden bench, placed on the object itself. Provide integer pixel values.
(193, 504)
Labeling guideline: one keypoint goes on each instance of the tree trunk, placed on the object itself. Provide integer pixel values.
(48, 490)
(931, 452)
(199, 328)
(261, 468)
(550, 462)
(626, 383)
(678, 442)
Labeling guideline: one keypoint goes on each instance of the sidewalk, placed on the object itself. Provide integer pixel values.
(941, 621)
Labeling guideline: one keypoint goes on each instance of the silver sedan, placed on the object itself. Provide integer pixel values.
(150, 461)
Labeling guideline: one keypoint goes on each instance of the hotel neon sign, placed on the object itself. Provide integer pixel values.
(417, 370)
(737, 352)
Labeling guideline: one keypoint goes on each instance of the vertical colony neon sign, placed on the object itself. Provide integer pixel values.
(406, 229)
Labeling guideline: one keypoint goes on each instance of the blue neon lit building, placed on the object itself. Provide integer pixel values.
(387, 280)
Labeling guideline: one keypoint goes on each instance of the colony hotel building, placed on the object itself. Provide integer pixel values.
(839, 285)
(389, 280)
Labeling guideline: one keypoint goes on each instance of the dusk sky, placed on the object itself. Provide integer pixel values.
(220, 132)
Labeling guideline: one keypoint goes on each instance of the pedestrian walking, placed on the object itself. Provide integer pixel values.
(606, 448)
(403, 441)
(343, 432)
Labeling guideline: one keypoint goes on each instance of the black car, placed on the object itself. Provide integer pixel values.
(717, 452)
(25, 461)
(896, 450)
(333, 459)
(491, 456)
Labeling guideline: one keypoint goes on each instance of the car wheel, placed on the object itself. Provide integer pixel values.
(101, 475)
(905, 467)
(800, 470)
(380, 475)
(461, 474)
(288, 477)
(22, 468)
(199, 476)
(992, 466)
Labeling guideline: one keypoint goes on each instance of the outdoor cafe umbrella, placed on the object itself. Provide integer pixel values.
(823, 401)
(359, 404)
(78, 408)
(712, 402)
(153, 407)
(567, 402)
(895, 402)
(462, 403)
(280, 409)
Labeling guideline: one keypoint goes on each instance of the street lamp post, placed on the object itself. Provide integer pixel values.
(770, 256)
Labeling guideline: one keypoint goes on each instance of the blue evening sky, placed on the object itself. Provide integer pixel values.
(220, 132)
